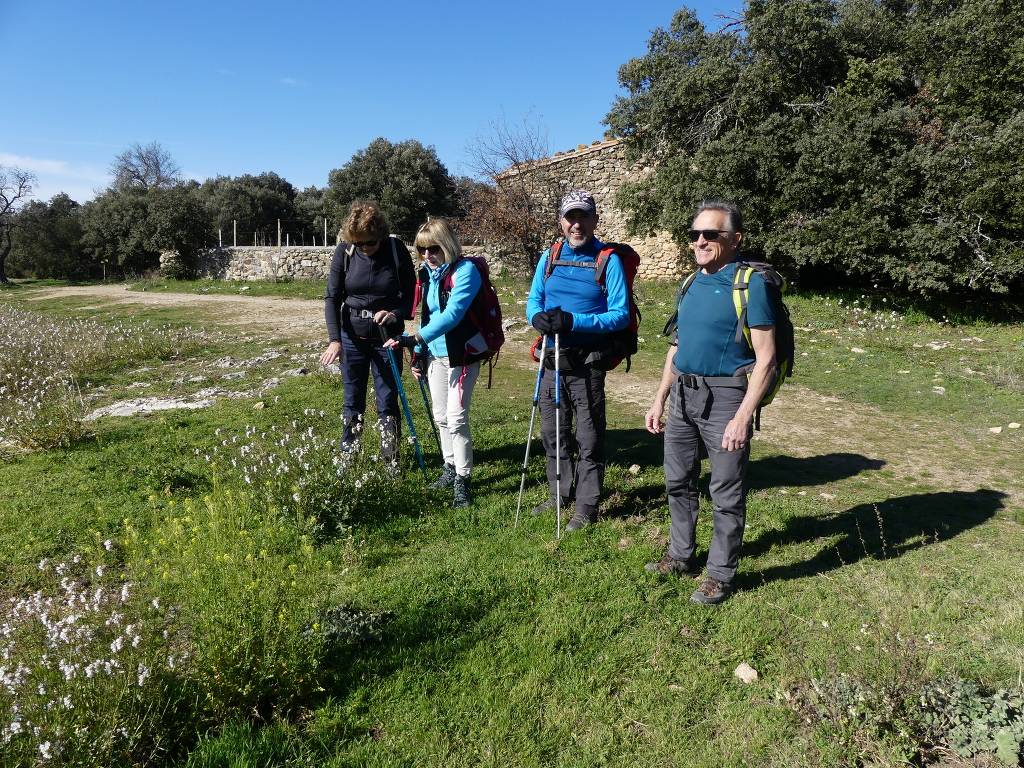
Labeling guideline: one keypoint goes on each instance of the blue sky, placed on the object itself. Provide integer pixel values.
(232, 87)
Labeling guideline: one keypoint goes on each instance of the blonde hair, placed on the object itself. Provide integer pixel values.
(437, 231)
(365, 221)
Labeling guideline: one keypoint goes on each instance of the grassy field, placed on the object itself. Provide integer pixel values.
(387, 629)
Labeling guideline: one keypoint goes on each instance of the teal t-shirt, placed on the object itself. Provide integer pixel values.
(706, 330)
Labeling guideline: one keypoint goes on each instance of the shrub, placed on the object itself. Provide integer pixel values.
(88, 665)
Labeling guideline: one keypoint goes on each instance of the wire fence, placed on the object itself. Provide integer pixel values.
(286, 233)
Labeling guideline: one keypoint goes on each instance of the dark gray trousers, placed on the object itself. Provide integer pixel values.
(697, 417)
(582, 406)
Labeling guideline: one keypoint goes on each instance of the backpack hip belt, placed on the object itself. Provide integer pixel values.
(693, 381)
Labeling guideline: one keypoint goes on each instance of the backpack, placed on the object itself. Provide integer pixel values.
(622, 344)
(484, 311)
(350, 251)
(785, 338)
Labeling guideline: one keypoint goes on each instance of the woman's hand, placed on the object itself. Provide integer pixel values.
(382, 317)
(332, 353)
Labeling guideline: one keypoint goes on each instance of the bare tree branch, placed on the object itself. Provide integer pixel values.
(144, 167)
(15, 189)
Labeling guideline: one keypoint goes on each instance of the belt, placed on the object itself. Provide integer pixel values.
(693, 381)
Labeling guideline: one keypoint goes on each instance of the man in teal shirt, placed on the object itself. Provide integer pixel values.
(715, 384)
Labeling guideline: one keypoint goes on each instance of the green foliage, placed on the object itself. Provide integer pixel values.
(256, 203)
(867, 141)
(250, 588)
(47, 242)
(115, 232)
(970, 720)
(407, 179)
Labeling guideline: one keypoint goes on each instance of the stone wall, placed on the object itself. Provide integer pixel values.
(269, 263)
(602, 168)
(262, 262)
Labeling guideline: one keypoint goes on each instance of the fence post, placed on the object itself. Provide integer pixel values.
(234, 226)
(325, 231)
(220, 237)
(278, 233)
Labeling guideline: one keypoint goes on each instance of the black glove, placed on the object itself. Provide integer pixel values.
(559, 321)
(542, 323)
(409, 342)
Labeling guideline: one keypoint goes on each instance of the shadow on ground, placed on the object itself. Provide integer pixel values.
(788, 471)
(879, 531)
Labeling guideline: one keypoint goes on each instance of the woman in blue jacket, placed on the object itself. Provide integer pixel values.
(452, 346)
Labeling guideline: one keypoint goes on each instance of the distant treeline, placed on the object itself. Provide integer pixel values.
(123, 230)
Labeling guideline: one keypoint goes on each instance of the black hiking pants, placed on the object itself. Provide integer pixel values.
(582, 453)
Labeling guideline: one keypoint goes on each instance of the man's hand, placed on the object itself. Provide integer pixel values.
(383, 317)
(737, 433)
(559, 320)
(653, 420)
(542, 322)
(332, 353)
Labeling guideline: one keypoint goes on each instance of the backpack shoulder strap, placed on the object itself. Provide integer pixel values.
(602, 261)
(553, 253)
(740, 286)
(684, 286)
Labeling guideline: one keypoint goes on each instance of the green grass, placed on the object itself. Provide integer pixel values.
(293, 289)
(502, 647)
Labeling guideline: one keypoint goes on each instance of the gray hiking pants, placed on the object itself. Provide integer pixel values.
(697, 417)
(582, 406)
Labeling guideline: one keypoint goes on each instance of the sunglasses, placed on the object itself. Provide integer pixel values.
(365, 243)
(433, 250)
(711, 235)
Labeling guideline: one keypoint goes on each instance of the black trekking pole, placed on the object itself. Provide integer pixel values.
(405, 403)
(529, 434)
(558, 443)
(430, 413)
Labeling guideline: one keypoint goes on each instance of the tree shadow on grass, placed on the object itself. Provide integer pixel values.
(780, 471)
(880, 531)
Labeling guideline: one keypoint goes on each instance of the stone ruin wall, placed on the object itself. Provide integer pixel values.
(602, 168)
(249, 263)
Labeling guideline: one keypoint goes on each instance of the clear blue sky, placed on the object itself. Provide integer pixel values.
(297, 88)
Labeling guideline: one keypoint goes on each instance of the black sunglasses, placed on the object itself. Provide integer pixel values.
(433, 250)
(365, 243)
(709, 234)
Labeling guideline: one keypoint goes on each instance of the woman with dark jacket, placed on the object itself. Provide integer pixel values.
(451, 344)
(370, 291)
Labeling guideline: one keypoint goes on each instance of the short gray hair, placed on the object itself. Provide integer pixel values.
(729, 208)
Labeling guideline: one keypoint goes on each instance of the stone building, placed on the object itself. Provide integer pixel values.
(602, 168)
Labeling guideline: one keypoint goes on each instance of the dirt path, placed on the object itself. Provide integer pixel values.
(286, 317)
(801, 422)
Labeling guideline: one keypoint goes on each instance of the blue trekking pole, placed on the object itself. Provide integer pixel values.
(529, 434)
(558, 443)
(405, 404)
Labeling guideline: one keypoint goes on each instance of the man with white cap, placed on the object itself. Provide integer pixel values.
(566, 299)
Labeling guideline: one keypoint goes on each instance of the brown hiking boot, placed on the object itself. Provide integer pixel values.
(669, 566)
(711, 592)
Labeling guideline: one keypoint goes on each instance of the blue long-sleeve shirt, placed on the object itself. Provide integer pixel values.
(593, 313)
(465, 285)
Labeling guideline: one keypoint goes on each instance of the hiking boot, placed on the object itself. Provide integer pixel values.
(547, 506)
(711, 592)
(460, 486)
(446, 480)
(669, 566)
(581, 519)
